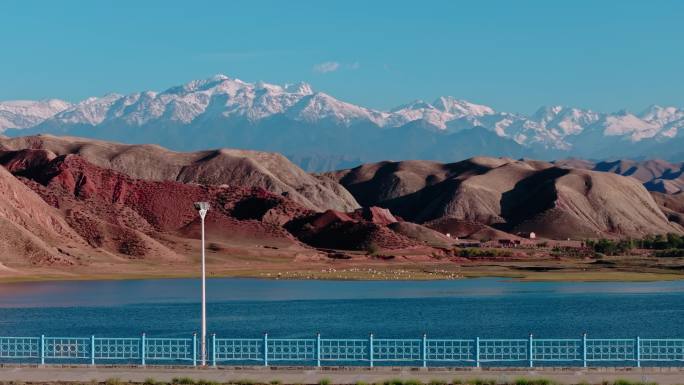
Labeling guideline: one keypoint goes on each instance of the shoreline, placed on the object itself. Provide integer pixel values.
(303, 275)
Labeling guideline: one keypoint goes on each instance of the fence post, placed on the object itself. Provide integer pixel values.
(584, 350)
(42, 349)
(370, 350)
(194, 349)
(477, 352)
(637, 353)
(318, 350)
(424, 350)
(213, 349)
(265, 349)
(92, 350)
(531, 348)
(143, 349)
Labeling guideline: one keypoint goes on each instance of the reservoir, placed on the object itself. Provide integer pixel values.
(487, 308)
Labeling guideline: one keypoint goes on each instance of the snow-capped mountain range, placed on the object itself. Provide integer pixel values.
(204, 107)
(28, 113)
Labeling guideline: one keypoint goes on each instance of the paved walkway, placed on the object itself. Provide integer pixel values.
(664, 376)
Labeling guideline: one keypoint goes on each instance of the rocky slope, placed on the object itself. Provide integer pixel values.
(515, 196)
(31, 231)
(672, 205)
(270, 171)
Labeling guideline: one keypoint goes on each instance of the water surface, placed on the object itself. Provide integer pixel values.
(248, 307)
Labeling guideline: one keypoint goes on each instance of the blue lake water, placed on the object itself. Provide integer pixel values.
(248, 307)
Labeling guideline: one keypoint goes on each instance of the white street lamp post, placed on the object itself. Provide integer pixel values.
(203, 207)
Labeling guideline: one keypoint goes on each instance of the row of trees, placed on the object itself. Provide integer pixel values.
(669, 242)
(611, 247)
(662, 242)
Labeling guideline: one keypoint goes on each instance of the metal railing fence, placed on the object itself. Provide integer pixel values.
(370, 351)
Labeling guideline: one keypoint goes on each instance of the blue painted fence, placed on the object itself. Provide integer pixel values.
(369, 351)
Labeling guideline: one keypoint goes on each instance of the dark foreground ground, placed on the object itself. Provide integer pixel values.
(332, 376)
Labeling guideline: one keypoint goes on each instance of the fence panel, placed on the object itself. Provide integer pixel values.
(497, 350)
(240, 349)
(170, 349)
(557, 350)
(117, 348)
(450, 350)
(19, 347)
(280, 349)
(611, 350)
(344, 350)
(68, 348)
(662, 350)
(397, 350)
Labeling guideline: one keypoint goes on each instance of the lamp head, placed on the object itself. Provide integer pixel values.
(202, 206)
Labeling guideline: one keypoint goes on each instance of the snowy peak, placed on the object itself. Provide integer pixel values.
(225, 99)
(216, 97)
(442, 111)
(323, 107)
(27, 113)
(460, 108)
(417, 104)
(661, 115)
(654, 122)
(91, 111)
(299, 88)
(564, 120)
(420, 110)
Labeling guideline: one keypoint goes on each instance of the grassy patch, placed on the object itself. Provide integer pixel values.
(207, 382)
(183, 381)
(113, 381)
(242, 382)
(628, 382)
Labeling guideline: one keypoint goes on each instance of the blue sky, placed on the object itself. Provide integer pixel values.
(512, 55)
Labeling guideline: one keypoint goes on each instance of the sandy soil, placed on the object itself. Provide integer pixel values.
(256, 375)
(269, 264)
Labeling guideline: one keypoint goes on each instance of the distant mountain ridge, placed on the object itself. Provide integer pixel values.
(656, 175)
(322, 132)
(516, 196)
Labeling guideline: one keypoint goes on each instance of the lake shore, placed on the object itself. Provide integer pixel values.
(561, 270)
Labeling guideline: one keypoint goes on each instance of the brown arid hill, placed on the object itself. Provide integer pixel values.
(514, 196)
(468, 230)
(32, 232)
(270, 171)
(88, 210)
(656, 174)
(672, 205)
(337, 230)
(65, 211)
